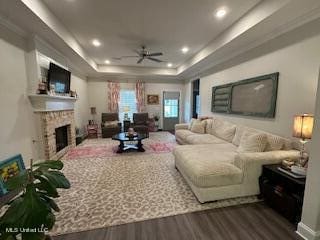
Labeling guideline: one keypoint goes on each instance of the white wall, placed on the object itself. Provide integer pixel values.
(298, 65)
(309, 227)
(81, 110)
(17, 117)
(98, 96)
(187, 101)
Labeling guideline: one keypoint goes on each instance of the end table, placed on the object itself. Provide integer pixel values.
(282, 192)
(92, 130)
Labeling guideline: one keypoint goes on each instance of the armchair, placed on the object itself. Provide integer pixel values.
(140, 123)
(110, 124)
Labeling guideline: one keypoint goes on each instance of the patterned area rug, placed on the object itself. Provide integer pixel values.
(116, 189)
(99, 148)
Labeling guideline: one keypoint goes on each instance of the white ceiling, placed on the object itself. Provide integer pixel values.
(162, 25)
(66, 28)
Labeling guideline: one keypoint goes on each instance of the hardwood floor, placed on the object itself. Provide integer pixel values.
(245, 222)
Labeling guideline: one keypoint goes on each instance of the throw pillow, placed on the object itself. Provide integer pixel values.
(223, 129)
(111, 123)
(275, 143)
(252, 142)
(191, 123)
(198, 126)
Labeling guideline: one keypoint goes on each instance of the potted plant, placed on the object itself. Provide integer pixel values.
(30, 215)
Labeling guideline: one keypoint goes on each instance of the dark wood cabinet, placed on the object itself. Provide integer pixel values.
(282, 192)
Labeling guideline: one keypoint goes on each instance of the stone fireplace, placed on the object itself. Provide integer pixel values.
(58, 132)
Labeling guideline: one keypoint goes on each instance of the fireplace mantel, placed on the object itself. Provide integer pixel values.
(47, 103)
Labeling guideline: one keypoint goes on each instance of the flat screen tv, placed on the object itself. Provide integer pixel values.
(60, 78)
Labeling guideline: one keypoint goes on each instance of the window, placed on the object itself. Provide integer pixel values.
(127, 103)
(171, 107)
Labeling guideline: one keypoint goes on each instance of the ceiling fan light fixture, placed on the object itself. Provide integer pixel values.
(220, 13)
(169, 64)
(185, 49)
(107, 61)
(96, 43)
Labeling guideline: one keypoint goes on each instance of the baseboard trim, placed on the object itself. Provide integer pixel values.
(307, 233)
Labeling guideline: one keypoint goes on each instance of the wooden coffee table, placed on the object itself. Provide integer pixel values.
(124, 140)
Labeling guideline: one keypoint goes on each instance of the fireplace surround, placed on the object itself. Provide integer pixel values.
(50, 122)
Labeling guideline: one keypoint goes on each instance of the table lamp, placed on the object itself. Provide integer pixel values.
(302, 128)
(93, 111)
(126, 109)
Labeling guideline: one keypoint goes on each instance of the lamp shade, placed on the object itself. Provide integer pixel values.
(302, 126)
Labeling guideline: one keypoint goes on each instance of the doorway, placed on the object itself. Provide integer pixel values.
(171, 109)
(196, 98)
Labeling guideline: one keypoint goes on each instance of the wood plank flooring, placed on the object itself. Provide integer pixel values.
(244, 222)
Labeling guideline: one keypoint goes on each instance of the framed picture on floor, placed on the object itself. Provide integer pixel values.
(10, 168)
(153, 99)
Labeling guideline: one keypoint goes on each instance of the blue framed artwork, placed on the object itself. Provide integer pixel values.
(9, 168)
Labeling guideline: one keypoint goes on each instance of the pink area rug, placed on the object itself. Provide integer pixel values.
(97, 148)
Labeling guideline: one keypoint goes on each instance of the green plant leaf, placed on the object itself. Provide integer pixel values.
(50, 220)
(50, 202)
(29, 211)
(13, 214)
(53, 164)
(46, 186)
(57, 179)
(18, 181)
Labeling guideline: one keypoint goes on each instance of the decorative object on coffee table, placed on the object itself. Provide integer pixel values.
(302, 128)
(126, 142)
(9, 168)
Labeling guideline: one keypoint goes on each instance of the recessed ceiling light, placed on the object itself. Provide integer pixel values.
(107, 62)
(96, 43)
(185, 49)
(221, 13)
(169, 64)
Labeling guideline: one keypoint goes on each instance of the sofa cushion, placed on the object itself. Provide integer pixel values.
(252, 142)
(223, 129)
(193, 120)
(183, 133)
(203, 139)
(239, 131)
(208, 125)
(274, 143)
(205, 169)
(198, 126)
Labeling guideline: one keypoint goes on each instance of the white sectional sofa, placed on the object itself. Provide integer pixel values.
(216, 168)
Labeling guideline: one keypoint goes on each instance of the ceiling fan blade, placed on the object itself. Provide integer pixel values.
(140, 60)
(155, 54)
(137, 52)
(154, 59)
(130, 56)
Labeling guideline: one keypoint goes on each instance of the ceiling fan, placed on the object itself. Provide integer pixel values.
(143, 54)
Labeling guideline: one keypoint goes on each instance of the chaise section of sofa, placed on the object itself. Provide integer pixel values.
(215, 169)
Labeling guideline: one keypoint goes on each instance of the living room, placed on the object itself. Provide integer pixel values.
(133, 78)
